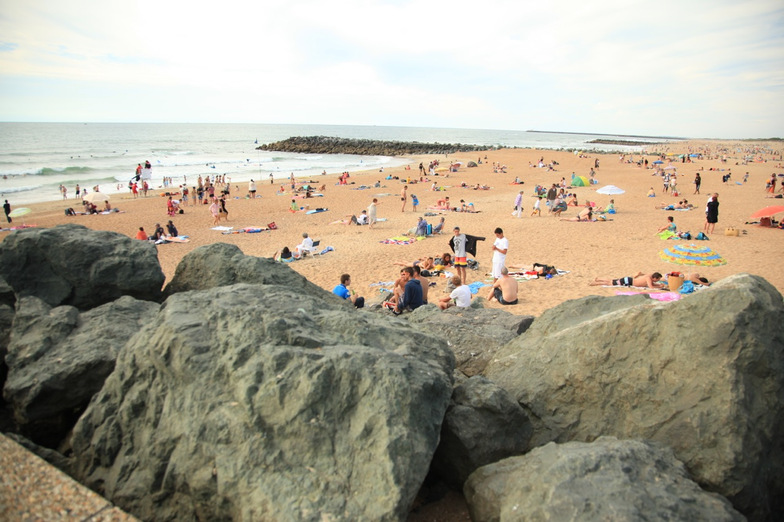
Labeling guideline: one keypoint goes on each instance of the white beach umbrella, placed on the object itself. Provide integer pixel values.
(610, 190)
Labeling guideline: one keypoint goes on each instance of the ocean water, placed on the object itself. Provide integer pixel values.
(36, 158)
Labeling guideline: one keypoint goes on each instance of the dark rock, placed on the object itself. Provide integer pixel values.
(608, 479)
(58, 359)
(7, 296)
(221, 264)
(483, 424)
(474, 334)
(333, 145)
(229, 408)
(704, 375)
(73, 265)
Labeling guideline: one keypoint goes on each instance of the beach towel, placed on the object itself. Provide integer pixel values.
(221, 228)
(398, 240)
(178, 239)
(316, 210)
(659, 296)
(475, 286)
(667, 234)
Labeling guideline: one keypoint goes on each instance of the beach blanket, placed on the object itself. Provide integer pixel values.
(248, 230)
(667, 234)
(316, 210)
(17, 227)
(659, 296)
(178, 239)
(221, 228)
(398, 240)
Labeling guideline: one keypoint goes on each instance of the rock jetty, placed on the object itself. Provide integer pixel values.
(333, 145)
(252, 394)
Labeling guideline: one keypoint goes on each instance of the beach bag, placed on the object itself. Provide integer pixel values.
(685, 235)
(731, 231)
(272, 226)
(702, 237)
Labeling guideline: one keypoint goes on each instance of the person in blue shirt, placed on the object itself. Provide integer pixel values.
(412, 291)
(342, 291)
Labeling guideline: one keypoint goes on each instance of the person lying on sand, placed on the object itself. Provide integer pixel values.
(639, 279)
(424, 263)
(585, 215)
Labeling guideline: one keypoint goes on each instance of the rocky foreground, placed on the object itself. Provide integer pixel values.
(243, 392)
(332, 145)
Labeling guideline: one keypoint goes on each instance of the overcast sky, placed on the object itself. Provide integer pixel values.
(689, 68)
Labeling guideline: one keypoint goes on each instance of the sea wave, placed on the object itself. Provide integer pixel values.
(12, 190)
(50, 171)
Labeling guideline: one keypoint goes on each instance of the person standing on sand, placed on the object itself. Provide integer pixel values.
(459, 243)
(7, 209)
(404, 197)
(711, 214)
(252, 189)
(371, 212)
(500, 248)
(518, 205)
(697, 183)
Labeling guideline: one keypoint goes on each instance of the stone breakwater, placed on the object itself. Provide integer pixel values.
(331, 145)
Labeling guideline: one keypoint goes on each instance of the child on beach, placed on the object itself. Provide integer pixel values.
(537, 207)
(414, 201)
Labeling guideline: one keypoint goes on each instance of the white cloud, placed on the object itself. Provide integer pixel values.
(612, 66)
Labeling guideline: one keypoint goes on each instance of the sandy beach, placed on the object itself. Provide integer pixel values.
(621, 246)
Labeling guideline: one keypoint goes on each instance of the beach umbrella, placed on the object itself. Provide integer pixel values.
(580, 181)
(610, 190)
(692, 255)
(658, 162)
(19, 212)
(765, 212)
(96, 197)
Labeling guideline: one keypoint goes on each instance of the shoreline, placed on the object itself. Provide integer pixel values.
(615, 248)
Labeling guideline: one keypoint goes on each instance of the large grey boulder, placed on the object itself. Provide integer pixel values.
(704, 375)
(257, 402)
(73, 265)
(474, 334)
(608, 479)
(58, 358)
(221, 264)
(483, 424)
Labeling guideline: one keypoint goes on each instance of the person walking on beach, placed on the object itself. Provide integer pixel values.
(500, 248)
(697, 183)
(371, 212)
(215, 211)
(7, 209)
(537, 206)
(518, 205)
(711, 213)
(404, 197)
(252, 189)
(77, 191)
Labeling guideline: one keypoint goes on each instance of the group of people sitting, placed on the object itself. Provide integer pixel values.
(159, 235)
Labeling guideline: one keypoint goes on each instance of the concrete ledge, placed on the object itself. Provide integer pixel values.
(32, 489)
